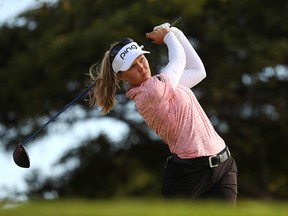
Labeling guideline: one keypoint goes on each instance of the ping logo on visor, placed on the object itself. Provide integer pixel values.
(124, 53)
(133, 46)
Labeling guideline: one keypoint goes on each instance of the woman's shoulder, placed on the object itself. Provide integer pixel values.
(155, 88)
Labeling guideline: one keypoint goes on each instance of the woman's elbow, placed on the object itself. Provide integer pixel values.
(204, 75)
(202, 71)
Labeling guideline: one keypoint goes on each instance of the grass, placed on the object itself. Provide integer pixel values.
(140, 207)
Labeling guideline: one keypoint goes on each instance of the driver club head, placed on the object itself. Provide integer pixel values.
(21, 157)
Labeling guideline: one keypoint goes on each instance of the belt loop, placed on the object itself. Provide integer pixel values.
(168, 160)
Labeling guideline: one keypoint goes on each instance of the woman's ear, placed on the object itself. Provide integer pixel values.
(120, 76)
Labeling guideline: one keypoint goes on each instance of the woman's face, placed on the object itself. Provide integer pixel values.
(138, 73)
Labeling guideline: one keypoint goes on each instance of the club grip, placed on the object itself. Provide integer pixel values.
(172, 23)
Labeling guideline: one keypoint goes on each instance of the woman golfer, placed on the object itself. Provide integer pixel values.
(201, 165)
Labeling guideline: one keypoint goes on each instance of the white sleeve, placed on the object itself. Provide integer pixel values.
(194, 71)
(177, 60)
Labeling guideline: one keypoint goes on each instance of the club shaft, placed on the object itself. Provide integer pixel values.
(57, 114)
(175, 21)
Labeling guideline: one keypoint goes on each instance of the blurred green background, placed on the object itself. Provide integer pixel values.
(45, 56)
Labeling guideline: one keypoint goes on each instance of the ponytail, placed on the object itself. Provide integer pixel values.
(105, 85)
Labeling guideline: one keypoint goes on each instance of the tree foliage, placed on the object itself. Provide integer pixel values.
(46, 53)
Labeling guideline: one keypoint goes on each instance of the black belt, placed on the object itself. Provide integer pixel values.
(211, 161)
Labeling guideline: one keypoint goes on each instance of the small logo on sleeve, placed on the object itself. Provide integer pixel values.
(160, 78)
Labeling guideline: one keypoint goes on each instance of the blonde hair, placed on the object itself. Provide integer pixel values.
(105, 82)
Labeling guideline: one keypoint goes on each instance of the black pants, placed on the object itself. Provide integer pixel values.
(201, 182)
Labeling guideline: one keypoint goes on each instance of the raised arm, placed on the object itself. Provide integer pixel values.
(194, 71)
(176, 55)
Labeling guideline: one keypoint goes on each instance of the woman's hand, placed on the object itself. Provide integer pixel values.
(158, 35)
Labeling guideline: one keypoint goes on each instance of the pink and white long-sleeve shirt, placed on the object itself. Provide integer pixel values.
(170, 108)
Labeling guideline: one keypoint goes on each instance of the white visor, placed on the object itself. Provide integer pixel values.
(125, 57)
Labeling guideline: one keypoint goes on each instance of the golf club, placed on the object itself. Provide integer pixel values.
(20, 155)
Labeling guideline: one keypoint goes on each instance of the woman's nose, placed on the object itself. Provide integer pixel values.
(140, 67)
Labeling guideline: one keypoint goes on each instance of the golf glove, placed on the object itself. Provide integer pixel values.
(164, 25)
